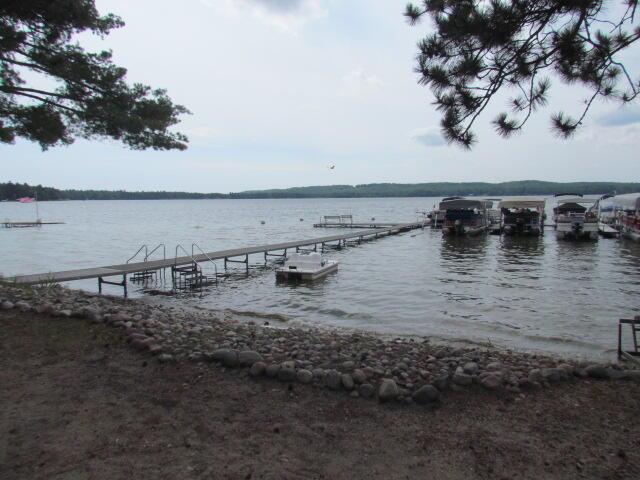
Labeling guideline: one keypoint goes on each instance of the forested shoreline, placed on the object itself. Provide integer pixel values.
(13, 191)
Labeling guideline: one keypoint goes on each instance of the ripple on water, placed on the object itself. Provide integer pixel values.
(537, 293)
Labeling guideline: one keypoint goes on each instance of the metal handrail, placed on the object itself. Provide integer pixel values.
(193, 258)
(146, 249)
(164, 256)
(208, 257)
(164, 252)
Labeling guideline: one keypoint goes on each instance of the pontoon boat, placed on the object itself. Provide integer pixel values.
(522, 217)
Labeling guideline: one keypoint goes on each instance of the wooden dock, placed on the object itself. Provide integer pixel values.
(27, 224)
(226, 255)
(355, 225)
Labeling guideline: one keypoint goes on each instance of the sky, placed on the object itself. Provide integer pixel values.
(281, 89)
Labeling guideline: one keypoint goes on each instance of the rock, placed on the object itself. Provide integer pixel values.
(347, 382)
(288, 364)
(257, 369)
(460, 378)
(247, 358)
(90, 313)
(359, 376)
(633, 375)
(65, 313)
(348, 365)
(597, 371)
(441, 382)
(354, 394)
(470, 368)
(366, 390)
(230, 358)
(333, 380)
(227, 357)
(426, 394)
(155, 349)
(388, 390)
(554, 374)
(304, 376)
(617, 374)
(491, 381)
(23, 306)
(272, 370)
(286, 374)
(7, 305)
(494, 366)
(535, 376)
(165, 358)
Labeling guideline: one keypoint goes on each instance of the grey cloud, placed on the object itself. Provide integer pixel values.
(622, 116)
(429, 136)
(279, 6)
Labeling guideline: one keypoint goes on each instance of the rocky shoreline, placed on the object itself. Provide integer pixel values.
(357, 363)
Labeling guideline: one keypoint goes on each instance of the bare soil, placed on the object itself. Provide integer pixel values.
(77, 403)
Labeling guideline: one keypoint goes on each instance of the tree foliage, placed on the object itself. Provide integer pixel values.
(12, 191)
(87, 96)
(481, 47)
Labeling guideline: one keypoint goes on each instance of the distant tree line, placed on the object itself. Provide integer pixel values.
(12, 191)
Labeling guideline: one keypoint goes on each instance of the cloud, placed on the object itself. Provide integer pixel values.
(285, 15)
(619, 117)
(624, 135)
(280, 6)
(429, 136)
(359, 79)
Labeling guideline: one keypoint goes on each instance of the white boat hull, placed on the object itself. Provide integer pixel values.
(631, 235)
(577, 231)
(304, 274)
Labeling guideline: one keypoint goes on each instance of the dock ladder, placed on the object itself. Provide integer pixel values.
(633, 355)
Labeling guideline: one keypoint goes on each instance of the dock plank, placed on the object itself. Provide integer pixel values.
(129, 268)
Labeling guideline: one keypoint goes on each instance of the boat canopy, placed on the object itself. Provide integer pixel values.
(584, 201)
(523, 203)
(571, 207)
(628, 201)
(464, 204)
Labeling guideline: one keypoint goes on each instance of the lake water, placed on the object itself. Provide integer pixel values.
(529, 293)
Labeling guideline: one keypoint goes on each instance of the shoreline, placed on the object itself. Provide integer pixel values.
(78, 402)
(358, 363)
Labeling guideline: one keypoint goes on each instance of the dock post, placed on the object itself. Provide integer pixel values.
(225, 264)
(124, 284)
(619, 339)
(99, 284)
(247, 262)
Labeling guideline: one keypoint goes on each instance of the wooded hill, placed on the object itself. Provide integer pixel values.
(12, 191)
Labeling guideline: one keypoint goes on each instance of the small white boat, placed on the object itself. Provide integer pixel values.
(309, 266)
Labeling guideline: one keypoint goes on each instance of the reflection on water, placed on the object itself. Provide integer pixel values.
(527, 292)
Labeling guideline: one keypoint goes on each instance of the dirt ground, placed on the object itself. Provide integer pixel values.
(77, 403)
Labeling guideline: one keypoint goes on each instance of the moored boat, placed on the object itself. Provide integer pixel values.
(575, 218)
(309, 266)
(628, 215)
(465, 217)
(522, 216)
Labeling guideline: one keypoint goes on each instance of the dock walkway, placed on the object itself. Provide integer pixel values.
(226, 255)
